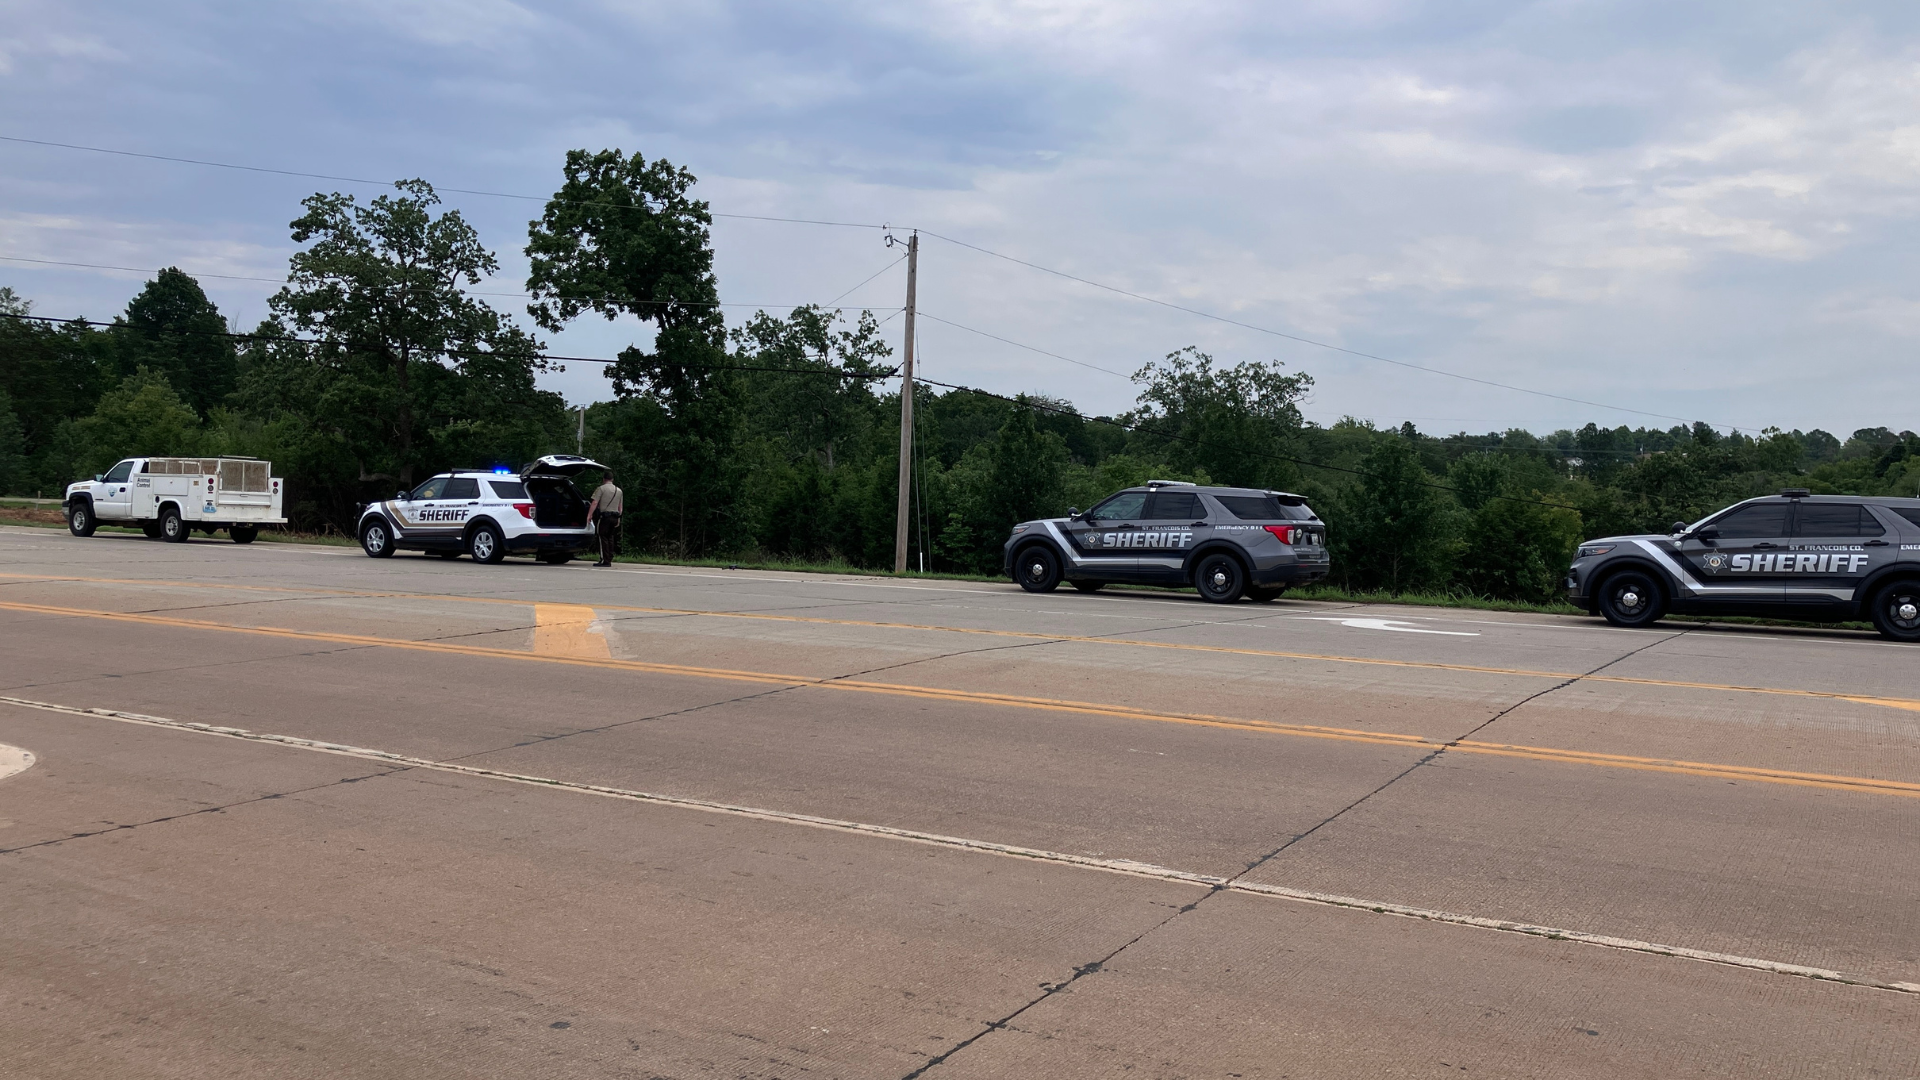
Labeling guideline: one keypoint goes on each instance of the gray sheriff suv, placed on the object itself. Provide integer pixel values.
(488, 514)
(1792, 555)
(1225, 542)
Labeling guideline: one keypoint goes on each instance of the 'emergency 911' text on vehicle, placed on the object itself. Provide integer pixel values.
(1794, 555)
(1225, 542)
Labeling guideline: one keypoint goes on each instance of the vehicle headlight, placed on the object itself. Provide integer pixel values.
(1021, 528)
(1591, 550)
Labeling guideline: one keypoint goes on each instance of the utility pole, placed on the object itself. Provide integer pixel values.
(580, 440)
(906, 411)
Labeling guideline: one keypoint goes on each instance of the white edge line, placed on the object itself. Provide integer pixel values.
(1114, 866)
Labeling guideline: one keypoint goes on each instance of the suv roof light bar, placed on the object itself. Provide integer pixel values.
(1169, 483)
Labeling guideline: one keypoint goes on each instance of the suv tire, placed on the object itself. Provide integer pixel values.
(80, 520)
(174, 528)
(1631, 598)
(376, 538)
(1037, 568)
(485, 543)
(1220, 578)
(1896, 611)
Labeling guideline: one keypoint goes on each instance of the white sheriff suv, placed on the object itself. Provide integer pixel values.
(488, 515)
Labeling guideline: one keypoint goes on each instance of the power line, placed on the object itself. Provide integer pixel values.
(277, 339)
(467, 292)
(388, 183)
(1309, 341)
(1018, 345)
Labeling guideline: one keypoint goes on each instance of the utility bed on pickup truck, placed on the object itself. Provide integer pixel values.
(169, 497)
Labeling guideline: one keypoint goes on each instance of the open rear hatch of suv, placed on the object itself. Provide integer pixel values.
(558, 503)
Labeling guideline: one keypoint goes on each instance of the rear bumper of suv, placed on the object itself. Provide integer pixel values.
(1290, 573)
(568, 540)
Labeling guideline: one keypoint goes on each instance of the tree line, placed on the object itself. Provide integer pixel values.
(779, 437)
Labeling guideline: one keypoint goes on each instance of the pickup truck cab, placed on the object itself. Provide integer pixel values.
(169, 497)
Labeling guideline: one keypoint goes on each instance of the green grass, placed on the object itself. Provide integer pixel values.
(798, 566)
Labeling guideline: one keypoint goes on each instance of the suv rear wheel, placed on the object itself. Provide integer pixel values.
(1896, 611)
(1037, 569)
(1631, 598)
(486, 545)
(1220, 578)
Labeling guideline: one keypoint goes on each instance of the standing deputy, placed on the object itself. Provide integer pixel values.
(605, 510)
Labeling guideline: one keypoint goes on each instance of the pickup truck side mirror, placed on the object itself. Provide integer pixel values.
(98, 477)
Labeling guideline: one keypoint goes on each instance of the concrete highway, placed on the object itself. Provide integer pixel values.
(288, 811)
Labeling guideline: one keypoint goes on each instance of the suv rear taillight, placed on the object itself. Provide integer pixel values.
(1286, 534)
(526, 510)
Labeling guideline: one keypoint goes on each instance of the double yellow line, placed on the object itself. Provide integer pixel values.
(1865, 785)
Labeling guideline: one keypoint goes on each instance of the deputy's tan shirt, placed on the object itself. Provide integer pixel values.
(607, 499)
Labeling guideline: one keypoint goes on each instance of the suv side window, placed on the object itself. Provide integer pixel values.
(118, 474)
(1253, 507)
(429, 490)
(1836, 519)
(1125, 506)
(462, 487)
(1175, 506)
(1753, 522)
(1909, 513)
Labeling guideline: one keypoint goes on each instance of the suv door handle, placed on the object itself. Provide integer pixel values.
(1874, 543)
(1763, 545)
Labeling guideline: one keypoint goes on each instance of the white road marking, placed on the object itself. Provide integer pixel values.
(986, 847)
(14, 760)
(1396, 625)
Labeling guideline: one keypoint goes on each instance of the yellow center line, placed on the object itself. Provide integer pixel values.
(1908, 704)
(1866, 785)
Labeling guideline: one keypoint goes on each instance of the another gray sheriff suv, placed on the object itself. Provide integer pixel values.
(1226, 542)
(1792, 555)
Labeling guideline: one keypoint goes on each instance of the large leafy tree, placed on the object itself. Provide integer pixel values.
(381, 287)
(1236, 425)
(623, 236)
(173, 330)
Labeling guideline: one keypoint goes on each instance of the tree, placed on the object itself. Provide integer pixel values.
(1236, 424)
(622, 237)
(1393, 529)
(380, 286)
(14, 477)
(142, 416)
(172, 329)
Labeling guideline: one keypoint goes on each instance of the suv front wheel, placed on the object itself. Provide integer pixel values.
(1631, 598)
(1896, 611)
(1038, 569)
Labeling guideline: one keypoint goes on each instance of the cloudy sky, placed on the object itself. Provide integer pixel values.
(1704, 211)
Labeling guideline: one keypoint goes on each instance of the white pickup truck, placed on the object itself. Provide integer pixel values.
(169, 497)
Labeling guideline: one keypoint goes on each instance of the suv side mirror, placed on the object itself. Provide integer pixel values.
(1708, 533)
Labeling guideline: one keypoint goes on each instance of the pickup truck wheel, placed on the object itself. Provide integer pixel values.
(1037, 569)
(1896, 611)
(173, 528)
(1631, 598)
(376, 538)
(486, 545)
(243, 534)
(151, 529)
(80, 520)
(1220, 579)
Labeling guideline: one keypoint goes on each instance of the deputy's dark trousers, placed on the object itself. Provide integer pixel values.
(609, 530)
